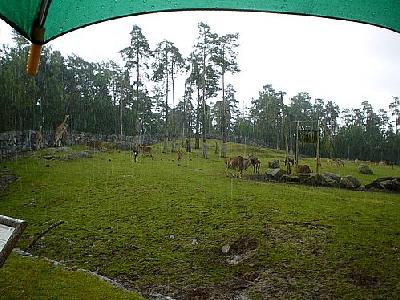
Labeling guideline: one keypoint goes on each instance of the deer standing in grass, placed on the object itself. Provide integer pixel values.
(39, 138)
(61, 131)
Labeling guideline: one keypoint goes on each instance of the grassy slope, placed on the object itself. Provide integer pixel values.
(28, 278)
(137, 222)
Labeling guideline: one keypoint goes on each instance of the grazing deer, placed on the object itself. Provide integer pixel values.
(289, 160)
(237, 163)
(338, 162)
(255, 163)
(61, 132)
(146, 150)
(303, 169)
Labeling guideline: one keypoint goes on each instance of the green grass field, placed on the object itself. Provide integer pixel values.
(159, 226)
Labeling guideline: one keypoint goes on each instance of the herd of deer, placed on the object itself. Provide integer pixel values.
(240, 163)
(235, 163)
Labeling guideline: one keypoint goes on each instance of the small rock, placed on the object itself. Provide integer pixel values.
(275, 174)
(330, 179)
(315, 179)
(305, 178)
(274, 164)
(75, 155)
(349, 182)
(225, 249)
(62, 149)
(385, 183)
(365, 169)
(235, 260)
(290, 178)
(391, 185)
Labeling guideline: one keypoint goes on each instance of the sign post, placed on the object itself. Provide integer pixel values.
(307, 133)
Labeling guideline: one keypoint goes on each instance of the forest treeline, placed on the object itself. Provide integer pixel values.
(140, 98)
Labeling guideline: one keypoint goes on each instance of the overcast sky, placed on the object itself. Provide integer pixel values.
(334, 60)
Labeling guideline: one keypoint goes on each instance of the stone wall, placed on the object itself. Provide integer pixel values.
(17, 142)
(13, 142)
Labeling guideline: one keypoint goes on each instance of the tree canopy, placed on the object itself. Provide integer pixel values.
(132, 99)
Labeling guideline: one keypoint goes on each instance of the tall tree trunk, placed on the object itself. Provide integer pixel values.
(197, 136)
(165, 146)
(203, 128)
(203, 131)
(224, 125)
(183, 121)
(277, 134)
(135, 124)
(189, 135)
(115, 110)
(120, 117)
(173, 103)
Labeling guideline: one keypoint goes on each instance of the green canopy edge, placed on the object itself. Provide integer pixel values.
(59, 17)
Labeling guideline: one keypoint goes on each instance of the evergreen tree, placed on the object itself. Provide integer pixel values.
(168, 62)
(225, 58)
(136, 57)
(205, 49)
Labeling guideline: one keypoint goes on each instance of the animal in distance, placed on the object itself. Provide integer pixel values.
(145, 150)
(303, 169)
(61, 132)
(237, 163)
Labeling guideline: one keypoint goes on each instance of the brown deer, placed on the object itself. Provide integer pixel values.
(237, 163)
(338, 162)
(145, 150)
(39, 138)
(255, 163)
(303, 169)
(179, 154)
(61, 132)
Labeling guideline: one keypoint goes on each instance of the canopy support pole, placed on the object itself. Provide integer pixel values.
(32, 66)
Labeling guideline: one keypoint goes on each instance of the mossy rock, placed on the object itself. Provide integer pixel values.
(273, 164)
(365, 169)
(349, 182)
